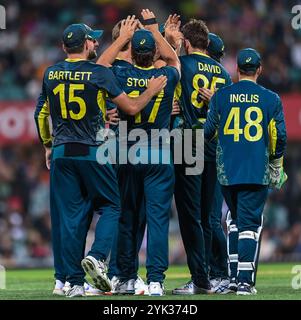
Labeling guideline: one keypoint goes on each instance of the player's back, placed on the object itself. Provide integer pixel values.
(156, 114)
(251, 121)
(198, 70)
(76, 91)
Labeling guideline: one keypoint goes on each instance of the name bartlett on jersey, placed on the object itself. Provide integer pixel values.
(70, 75)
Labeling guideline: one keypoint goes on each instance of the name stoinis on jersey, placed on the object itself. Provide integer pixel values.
(209, 68)
(137, 82)
(70, 75)
(251, 98)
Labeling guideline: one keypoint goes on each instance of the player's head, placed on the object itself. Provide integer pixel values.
(116, 33)
(249, 63)
(81, 39)
(195, 34)
(216, 47)
(143, 48)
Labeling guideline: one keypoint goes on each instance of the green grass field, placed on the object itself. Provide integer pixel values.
(273, 283)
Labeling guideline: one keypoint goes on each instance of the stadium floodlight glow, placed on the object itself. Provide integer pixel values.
(2, 17)
(296, 21)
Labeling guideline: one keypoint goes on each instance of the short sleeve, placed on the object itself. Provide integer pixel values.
(105, 79)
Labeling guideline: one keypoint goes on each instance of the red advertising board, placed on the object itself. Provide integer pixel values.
(17, 122)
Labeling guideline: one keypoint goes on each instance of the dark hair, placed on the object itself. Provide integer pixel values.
(143, 60)
(78, 49)
(249, 73)
(116, 33)
(196, 31)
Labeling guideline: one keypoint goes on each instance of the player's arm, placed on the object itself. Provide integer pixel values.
(127, 29)
(167, 53)
(173, 35)
(212, 121)
(277, 135)
(277, 132)
(41, 117)
(132, 106)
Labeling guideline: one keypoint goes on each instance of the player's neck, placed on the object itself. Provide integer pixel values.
(125, 55)
(76, 56)
(248, 78)
(191, 50)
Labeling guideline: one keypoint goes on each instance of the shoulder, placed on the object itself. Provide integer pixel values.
(171, 72)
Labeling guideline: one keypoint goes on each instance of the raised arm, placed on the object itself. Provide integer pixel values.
(127, 29)
(166, 51)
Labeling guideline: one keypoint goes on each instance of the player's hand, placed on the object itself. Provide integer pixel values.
(146, 15)
(206, 94)
(175, 108)
(112, 117)
(155, 85)
(277, 175)
(48, 152)
(172, 31)
(128, 27)
(172, 19)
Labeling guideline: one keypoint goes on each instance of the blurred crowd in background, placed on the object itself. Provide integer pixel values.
(32, 41)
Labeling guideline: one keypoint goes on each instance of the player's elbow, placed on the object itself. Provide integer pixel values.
(132, 110)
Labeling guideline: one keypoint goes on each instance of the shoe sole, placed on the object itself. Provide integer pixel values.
(204, 291)
(245, 293)
(102, 283)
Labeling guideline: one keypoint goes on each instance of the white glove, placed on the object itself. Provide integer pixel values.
(277, 174)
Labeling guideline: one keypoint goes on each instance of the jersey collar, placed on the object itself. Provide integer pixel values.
(200, 54)
(248, 80)
(142, 68)
(74, 60)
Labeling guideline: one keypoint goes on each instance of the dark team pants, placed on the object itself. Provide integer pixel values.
(194, 196)
(218, 257)
(113, 269)
(152, 183)
(246, 203)
(77, 182)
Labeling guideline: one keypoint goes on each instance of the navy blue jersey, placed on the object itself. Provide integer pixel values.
(74, 93)
(199, 71)
(117, 63)
(156, 114)
(251, 129)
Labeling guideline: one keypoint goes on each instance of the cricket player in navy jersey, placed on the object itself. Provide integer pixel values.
(73, 94)
(219, 277)
(152, 183)
(124, 59)
(251, 143)
(194, 193)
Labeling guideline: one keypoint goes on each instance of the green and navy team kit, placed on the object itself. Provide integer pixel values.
(145, 185)
(194, 195)
(251, 131)
(74, 93)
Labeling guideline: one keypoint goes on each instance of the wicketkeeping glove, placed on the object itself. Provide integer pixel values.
(277, 175)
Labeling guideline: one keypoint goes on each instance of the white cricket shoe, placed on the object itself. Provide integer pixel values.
(156, 289)
(141, 288)
(245, 289)
(223, 287)
(98, 272)
(215, 282)
(58, 288)
(91, 291)
(66, 287)
(75, 291)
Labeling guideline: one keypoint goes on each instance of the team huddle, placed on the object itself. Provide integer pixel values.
(142, 80)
